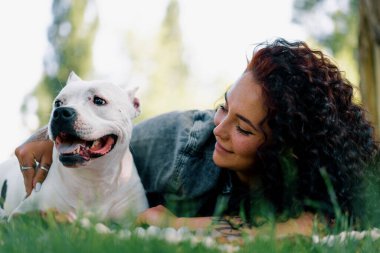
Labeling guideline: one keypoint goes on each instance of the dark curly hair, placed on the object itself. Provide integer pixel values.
(318, 138)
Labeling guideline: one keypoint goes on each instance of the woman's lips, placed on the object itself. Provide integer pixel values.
(221, 149)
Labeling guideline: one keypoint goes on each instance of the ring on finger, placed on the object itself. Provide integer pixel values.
(26, 167)
(44, 168)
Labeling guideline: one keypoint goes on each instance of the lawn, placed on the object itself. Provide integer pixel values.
(36, 234)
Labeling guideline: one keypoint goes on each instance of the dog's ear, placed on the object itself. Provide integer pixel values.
(73, 77)
(135, 101)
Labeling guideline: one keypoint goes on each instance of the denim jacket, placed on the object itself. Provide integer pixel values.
(173, 155)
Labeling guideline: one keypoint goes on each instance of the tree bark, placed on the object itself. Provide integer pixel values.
(369, 59)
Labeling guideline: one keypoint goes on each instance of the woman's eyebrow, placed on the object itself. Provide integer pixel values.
(248, 122)
(241, 117)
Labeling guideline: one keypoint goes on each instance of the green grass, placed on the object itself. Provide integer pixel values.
(31, 234)
(301, 244)
(34, 234)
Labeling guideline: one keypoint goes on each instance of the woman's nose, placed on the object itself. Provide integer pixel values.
(220, 129)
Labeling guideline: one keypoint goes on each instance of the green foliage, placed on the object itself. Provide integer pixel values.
(71, 35)
(346, 22)
(159, 65)
(290, 177)
(160, 62)
(306, 5)
(369, 206)
(343, 40)
(169, 78)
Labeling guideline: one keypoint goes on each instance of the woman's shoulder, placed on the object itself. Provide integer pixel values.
(171, 148)
(176, 122)
(180, 117)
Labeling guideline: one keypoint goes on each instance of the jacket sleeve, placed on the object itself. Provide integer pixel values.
(173, 154)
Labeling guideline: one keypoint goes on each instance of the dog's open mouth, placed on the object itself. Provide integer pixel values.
(72, 147)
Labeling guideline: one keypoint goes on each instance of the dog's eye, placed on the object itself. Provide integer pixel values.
(57, 103)
(99, 101)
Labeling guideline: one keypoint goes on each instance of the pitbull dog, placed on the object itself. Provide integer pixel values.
(93, 169)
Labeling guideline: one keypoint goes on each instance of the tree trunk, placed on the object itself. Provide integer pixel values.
(369, 59)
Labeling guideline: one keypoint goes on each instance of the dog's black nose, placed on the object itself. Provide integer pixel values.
(64, 114)
(63, 120)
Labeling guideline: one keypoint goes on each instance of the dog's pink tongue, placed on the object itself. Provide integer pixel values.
(68, 148)
(102, 146)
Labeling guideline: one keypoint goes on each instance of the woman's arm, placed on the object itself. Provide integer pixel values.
(161, 217)
(302, 225)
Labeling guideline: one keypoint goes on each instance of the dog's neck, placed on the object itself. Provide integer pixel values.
(100, 181)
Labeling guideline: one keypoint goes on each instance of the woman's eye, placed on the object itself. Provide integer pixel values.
(57, 103)
(99, 101)
(242, 131)
(223, 107)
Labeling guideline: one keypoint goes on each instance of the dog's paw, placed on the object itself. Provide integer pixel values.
(58, 216)
(47, 215)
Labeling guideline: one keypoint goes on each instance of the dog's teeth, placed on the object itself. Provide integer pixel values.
(95, 143)
(76, 151)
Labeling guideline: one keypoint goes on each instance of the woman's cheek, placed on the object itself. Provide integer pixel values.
(246, 145)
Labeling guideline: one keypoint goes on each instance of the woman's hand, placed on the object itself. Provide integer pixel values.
(160, 216)
(37, 150)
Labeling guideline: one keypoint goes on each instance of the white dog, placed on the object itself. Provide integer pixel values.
(93, 169)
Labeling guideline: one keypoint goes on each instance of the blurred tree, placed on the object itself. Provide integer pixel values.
(168, 80)
(355, 38)
(369, 57)
(162, 65)
(344, 17)
(71, 35)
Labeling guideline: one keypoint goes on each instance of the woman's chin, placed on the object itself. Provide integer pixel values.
(218, 160)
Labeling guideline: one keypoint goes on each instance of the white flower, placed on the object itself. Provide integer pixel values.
(358, 235)
(171, 235)
(125, 234)
(209, 242)
(140, 232)
(228, 248)
(153, 231)
(343, 237)
(183, 231)
(329, 240)
(315, 239)
(375, 234)
(85, 223)
(102, 229)
(195, 240)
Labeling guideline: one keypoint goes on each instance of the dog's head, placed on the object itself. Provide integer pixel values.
(90, 119)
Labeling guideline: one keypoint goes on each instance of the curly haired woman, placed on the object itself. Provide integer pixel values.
(287, 143)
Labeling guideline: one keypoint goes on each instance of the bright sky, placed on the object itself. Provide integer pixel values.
(217, 33)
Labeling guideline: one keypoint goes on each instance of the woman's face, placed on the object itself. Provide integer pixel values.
(238, 132)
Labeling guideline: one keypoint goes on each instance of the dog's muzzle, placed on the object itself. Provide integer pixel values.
(74, 150)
